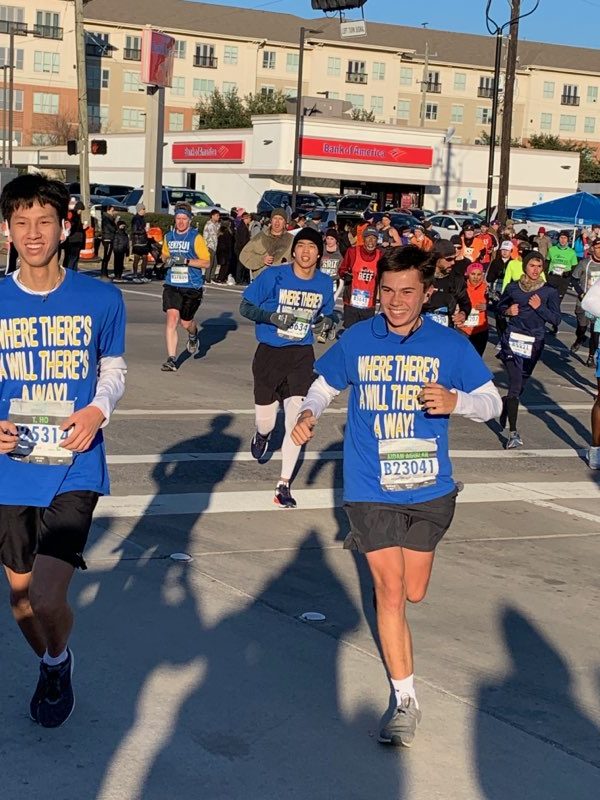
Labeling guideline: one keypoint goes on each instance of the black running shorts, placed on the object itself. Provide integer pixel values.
(60, 530)
(186, 301)
(282, 372)
(374, 526)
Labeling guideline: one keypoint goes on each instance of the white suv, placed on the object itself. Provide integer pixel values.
(200, 202)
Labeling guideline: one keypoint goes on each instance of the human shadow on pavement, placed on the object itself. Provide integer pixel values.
(211, 332)
(547, 748)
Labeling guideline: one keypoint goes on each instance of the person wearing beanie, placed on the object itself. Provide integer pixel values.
(290, 304)
(543, 242)
(476, 324)
(528, 304)
(358, 271)
(269, 247)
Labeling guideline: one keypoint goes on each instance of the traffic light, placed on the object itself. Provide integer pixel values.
(72, 148)
(98, 147)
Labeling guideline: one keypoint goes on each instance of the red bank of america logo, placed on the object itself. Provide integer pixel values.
(222, 151)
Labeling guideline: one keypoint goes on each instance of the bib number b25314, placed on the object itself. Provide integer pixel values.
(38, 424)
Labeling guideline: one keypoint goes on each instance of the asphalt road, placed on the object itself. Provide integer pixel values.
(198, 680)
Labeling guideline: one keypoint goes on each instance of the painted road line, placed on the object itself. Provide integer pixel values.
(332, 455)
(127, 506)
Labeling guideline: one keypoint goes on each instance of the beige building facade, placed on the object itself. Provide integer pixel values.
(229, 48)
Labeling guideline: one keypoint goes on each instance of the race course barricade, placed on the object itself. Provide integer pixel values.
(87, 254)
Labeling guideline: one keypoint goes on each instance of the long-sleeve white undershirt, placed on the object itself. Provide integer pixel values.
(480, 405)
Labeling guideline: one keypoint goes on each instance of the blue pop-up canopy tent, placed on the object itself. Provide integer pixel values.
(573, 210)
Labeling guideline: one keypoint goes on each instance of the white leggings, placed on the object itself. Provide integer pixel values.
(266, 417)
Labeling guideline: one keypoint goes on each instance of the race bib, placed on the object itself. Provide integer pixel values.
(180, 275)
(520, 344)
(441, 319)
(329, 268)
(299, 329)
(472, 320)
(40, 436)
(360, 298)
(407, 464)
(558, 270)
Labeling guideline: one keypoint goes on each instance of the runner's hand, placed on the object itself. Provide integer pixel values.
(83, 426)
(459, 318)
(178, 261)
(268, 260)
(512, 311)
(322, 326)
(303, 430)
(9, 437)
(283, 321)
(535, 301)
(437, 400)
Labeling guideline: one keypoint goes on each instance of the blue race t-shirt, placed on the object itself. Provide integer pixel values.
(394, 452)
(50, 348)
(279, 289)
(189, 245)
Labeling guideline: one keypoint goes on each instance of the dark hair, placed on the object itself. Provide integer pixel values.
(225, 227)
(401, 259)
(24, 191)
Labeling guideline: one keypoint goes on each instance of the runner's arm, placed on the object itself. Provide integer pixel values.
(254, 313)
(576, 277)
(202, 260)
(320, 396)
(110, 386)
(551, 312)
(480, 405)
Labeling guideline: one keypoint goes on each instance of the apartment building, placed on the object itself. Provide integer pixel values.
(257, 51)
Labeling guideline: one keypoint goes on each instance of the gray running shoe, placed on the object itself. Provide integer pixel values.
(513, 441)
(594, 458)
(400, 730)
(170, 365)
(192, 345)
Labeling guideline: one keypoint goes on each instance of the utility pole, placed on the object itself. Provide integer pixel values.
(83, 138)
(298, 127)
(494, 126)
(11, 93)
(509, 93)
(424, 83)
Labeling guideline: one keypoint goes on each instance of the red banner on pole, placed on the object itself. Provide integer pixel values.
(208, 152)
(158, 52)
(367, 152)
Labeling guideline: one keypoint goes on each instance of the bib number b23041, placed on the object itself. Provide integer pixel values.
(407, 464)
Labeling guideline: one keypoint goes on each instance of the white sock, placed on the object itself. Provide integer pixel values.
(54, 662)
(403, 687)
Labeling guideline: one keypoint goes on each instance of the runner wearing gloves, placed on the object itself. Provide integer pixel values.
(186, 258)
(448, 303)
(290, 304)
(406, 375)
(528, 304)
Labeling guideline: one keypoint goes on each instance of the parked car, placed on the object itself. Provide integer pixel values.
(329, 200)
(275, 198)
(399, 219)
(327, 215)
(200, 202)
(448, 225)
(354, 204)
(116, 190)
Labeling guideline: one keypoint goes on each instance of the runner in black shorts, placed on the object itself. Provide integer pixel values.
(186, 257)
(290, 304)
(406, 375)
(69, 330)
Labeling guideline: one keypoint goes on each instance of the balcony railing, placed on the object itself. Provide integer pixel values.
(356, 77)
(132, 54)
(485, 91)
(570, 100)
(18, 28)
(433, 87)
(93, 50)
(47, 32)
(209, 62)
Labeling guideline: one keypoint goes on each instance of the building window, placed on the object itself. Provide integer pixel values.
(229, 87)
(433, 82)
(133, 118)
(568, 123)
(269, 59)
(592, 94)
(205, 56)
(570, 95)
(12, 14)
(548, 92)
(406, 76)
(460, 81)
(97, 78)
(47, 25)
(133, 48)
(97, 45)
(589, 125)
(334, 66)
(403, 109)
(291, 92)
(377, 106)
(45, 103)
(175, 121)
(203, 87)
(180, 48)
(291, 62)
(46, 62)
(97, 118)
(378, 70)
(18, 57)
(42, 139)
(334, 96)
(267, 91)
(131, 82)
(178, 86)
(230, 56)
(546, 122)
(483, 116)
(17, 137)
(431, 111)
(458, 114)
(357, 100)
(486, 87)
(17, 99)
(357, 72)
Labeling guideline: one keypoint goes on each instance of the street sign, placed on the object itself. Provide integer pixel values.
(355, 28)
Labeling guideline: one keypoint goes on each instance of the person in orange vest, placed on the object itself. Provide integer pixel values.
(471, 247)
(368, 217)
(420, 240)
(486, 242)
(476, 324)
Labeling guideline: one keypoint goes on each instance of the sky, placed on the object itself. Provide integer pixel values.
(574, 23)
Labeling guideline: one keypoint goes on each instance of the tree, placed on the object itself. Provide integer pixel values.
(275, 103)
(589, 166)
(485, 139)
(362, 115)
(229, 110)
(60, 128)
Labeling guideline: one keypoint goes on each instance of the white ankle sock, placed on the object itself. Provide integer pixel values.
(403, 687)
(54, 662)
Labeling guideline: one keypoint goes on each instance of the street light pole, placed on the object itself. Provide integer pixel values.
(298, 123)
(83, 137)
(11, 93)
(496, 92)
(424, 85)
